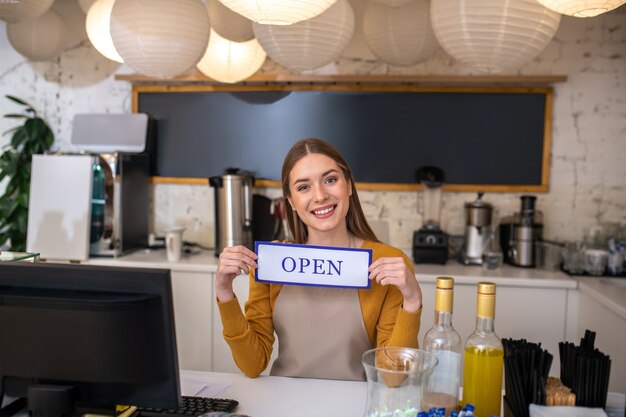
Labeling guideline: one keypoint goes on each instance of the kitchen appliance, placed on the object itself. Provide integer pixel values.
(520, 233)
(122, 148)
(478, 215)
(233, 209)
(430, 243)
(120, 201)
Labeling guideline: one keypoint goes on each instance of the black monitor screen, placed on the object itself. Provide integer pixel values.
(107, 333)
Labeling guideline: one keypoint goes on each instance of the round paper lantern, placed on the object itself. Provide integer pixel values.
(74, 17)
(160, 38)
(582, 8)
(12, 11)
(278, 12)
(493, 35)
(310, 44)
(85, 5)
(390, 3)
(39, 39)
(98, 29)
(230, 62)
(229, 24)
(402, 35)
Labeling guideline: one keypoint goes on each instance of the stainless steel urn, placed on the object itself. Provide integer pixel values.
(233, 209)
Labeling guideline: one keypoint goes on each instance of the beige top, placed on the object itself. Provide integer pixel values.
(321, 333)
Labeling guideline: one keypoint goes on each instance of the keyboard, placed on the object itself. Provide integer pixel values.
(190, 407)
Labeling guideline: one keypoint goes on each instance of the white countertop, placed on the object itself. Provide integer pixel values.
(272, 396)
(610, 292)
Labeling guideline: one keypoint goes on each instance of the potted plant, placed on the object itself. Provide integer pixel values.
(34, 136)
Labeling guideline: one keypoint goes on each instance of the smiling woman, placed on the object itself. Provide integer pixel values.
(308, 319)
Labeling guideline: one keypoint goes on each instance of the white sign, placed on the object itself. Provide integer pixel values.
(324, 266)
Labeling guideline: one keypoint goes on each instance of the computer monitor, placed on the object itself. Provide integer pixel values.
(87, 337)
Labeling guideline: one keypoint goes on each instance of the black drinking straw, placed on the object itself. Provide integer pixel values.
(526, 371)
(585, 370)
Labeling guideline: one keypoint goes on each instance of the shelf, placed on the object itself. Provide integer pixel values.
(196, 77)
(370, 186)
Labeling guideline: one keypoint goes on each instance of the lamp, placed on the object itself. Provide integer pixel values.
(401, 35)
(278, 12)
(98, 29)
(493, 35)
(582, 8)
(390, 3)
(12, 12)
(85, 5)
(230, 62)
(229, 24)
(39, 39)
(310, 44)
(160, 38)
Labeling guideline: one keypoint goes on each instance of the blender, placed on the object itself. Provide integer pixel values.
(430, 243)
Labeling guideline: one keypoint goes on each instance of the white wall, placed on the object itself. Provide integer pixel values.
(588, 160)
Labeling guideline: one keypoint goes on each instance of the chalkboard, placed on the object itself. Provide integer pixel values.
(477, 136)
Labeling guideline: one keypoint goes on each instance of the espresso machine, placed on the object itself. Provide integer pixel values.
(122, 150)
(520, 233)
(430, 243)
(478, 228)
(233, 209)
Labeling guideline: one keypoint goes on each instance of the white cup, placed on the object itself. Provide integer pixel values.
(595, 261)
(174, 243)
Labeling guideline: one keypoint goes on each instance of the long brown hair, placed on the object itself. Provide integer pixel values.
(355, 218)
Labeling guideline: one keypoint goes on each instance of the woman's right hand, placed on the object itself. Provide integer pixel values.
(232, 262)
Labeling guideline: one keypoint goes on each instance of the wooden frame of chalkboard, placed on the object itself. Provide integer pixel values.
(498, 135)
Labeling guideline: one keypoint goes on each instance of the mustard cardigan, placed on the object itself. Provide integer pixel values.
(251, 337)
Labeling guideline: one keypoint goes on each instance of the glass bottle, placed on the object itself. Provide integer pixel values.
(484, 357)
(444, 342)
(492, 253)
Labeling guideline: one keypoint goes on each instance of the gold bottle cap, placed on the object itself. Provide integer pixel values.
(486, 304)
(444, 294)
(445, 283)
(487, 288)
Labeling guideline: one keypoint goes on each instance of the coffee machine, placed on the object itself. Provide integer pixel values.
(122, 148)
(478, 229)
(233, 209)
(520, 233)
(430, 243)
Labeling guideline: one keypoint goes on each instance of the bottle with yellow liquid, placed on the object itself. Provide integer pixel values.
(484, 357)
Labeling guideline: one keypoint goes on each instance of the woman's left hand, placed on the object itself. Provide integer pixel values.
(395, 271)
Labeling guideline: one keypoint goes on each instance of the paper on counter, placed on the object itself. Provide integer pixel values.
(561, 411)
(203, 386)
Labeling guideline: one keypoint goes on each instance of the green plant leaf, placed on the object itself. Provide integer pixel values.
(29, 108)
(19, 137)
(34, 136)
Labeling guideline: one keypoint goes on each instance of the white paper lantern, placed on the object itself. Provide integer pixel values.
(390, 3)
(40, 39)
(229, 24)
(98, 29)
(230, 62)
(13, 11)
(310, 44)
(278, 12)
(160, 38)
(85, 5)
(74, 17)
(402, 35)
(582, 8)
(493, 35)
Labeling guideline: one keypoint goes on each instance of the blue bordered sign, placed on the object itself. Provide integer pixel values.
(323, 266)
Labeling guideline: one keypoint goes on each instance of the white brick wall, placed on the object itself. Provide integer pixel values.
(588, 175)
